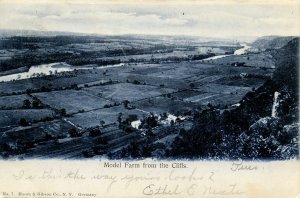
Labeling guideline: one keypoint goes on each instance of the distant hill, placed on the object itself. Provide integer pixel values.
(271, 42)
(10, 33)
(4, 33)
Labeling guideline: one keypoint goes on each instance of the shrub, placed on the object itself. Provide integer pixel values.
(23, 122)
(26, 104)
(63, 112)
(74, 133)
(94, 132)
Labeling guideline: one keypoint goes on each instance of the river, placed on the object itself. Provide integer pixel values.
(240, 51)
(55, 68)
(49, 69)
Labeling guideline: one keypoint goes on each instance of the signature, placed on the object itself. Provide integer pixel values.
(229, 190)
(152, 189)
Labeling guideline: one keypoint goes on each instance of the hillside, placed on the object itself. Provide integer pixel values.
(287, 58)
(253, 130)
(271, 42)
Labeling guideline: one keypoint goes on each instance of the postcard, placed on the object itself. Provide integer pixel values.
(151, 98)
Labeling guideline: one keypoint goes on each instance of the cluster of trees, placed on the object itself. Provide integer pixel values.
(141, 148)
(35, 104)
(89, 60)
(49, 88)
(183, 58)
(21, 144)
(136, 150)
(33, 59)
(125, 124)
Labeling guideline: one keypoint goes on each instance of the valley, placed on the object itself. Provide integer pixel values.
(83, 96)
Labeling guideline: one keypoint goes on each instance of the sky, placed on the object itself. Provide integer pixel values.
(226, 20)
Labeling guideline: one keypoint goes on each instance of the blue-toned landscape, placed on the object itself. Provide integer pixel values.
(148, 96)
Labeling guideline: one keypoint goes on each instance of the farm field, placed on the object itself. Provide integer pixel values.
(106, 102)
(225, 89)
(242, 82)
(108, 115)
(160, 105)
(127, 91)
(71, 100)
(250, 60)
(12, 117)
(37, 132)
(13, 102)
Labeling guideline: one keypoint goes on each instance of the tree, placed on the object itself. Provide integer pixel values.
(172, 123)
(100, 140)
(125, 102)
(182, 131)
(23, 122)
(128, 129)
(136, 82)
(94, 132)
(120, 118)
(178, 120)
(149, 133)
(73, 133)
(102, 122)
(151, 120)
(26, 104)
(28, 91)
(36, 104)
(63, 112)
(133, 150)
